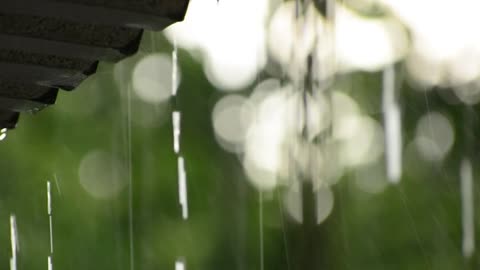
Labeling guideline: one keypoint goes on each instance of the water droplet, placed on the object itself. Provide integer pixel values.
(468, 220)
(182, 187)
(174, 69)
(50, 265)
(14, 242)
(180, 265)
(49, 212)
(3, 134)
(393, 127)
(176, 119)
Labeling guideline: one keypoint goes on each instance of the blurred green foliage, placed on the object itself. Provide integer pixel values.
(415, 225)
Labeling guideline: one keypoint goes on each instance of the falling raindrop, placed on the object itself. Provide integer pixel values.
(57, 184)
(180, 265)
(49, 212)
(393, 127)
(261, 230)
(182, 187)
(174, 68)
(130, 179)
(468, 220)
(176, 119)
(14, 242)
(50, 265)
(176, 123)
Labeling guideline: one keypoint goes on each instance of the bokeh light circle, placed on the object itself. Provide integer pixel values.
(152, 78)
(434, 136)
(101, 174)
(231, 116)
